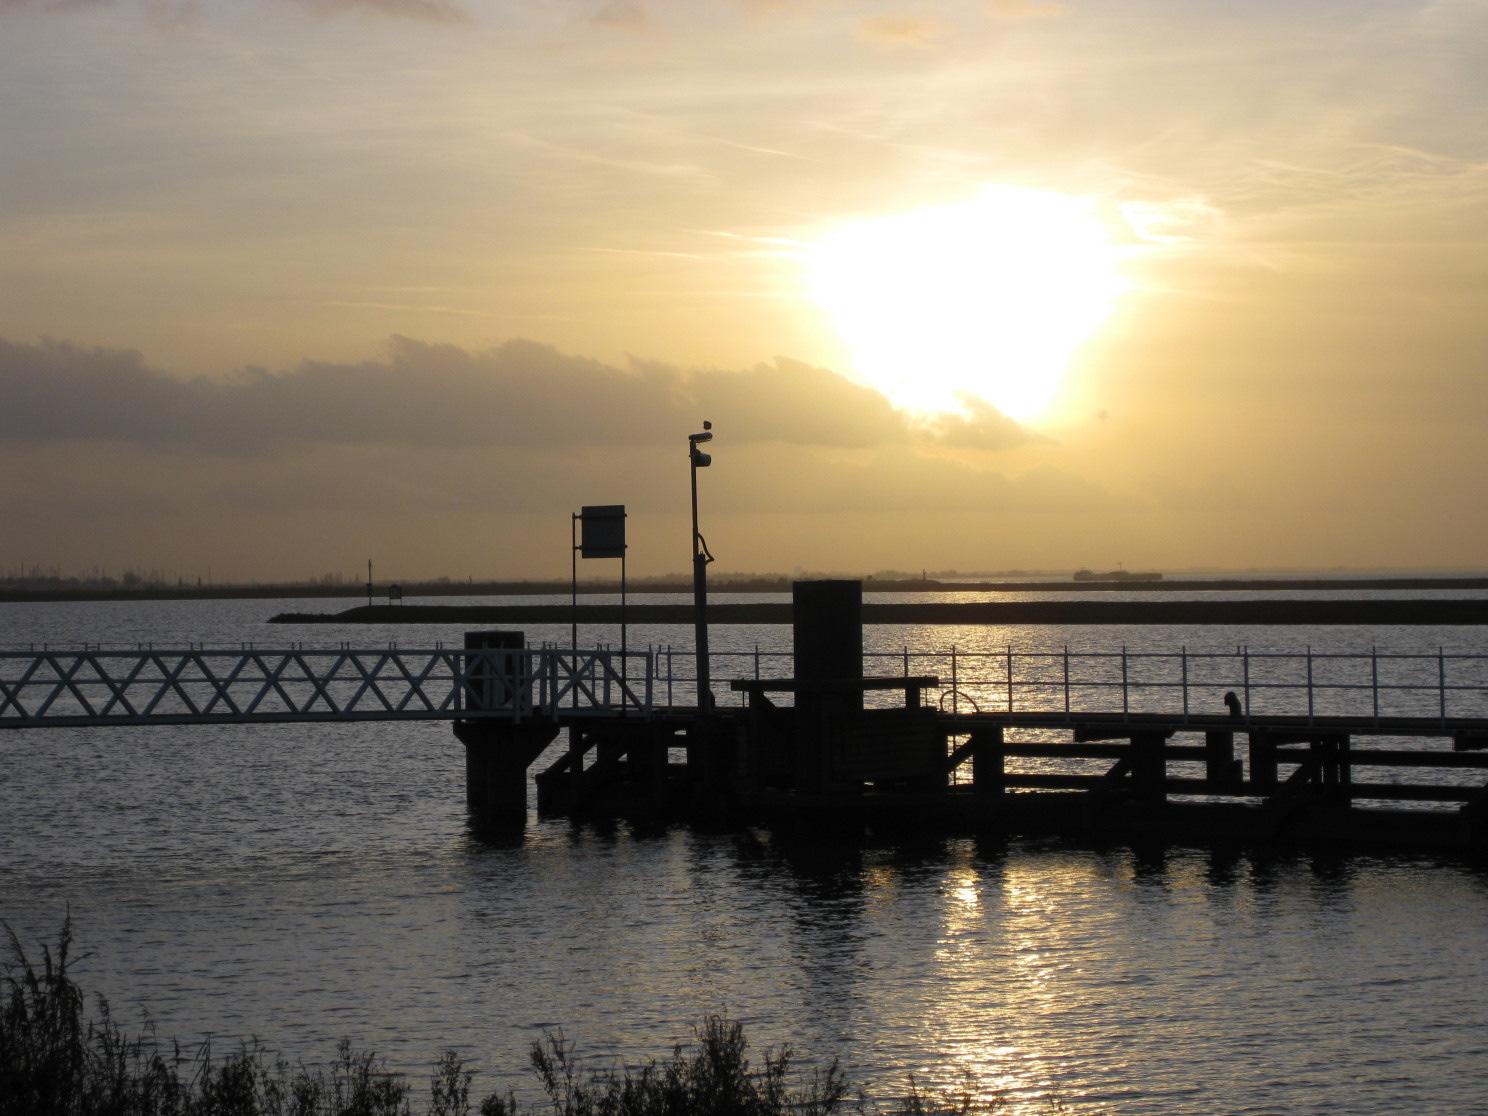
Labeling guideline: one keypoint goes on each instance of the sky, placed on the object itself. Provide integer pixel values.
(983, 285)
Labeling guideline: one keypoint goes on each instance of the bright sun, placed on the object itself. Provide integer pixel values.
(989, 297)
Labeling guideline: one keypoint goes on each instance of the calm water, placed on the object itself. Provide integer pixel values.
(308, 884)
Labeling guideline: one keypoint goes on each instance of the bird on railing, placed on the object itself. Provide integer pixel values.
(1233, 704)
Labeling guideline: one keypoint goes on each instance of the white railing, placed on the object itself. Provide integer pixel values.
(1374, 685)
(201, 685)
(147, 686)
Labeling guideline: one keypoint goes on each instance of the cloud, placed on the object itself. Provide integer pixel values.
(979, 426)
(174, 12)
(53, 5)
(520, 394)
(900, 29)
(427, 11)
(1023, 9)
(172, 16)
(623, 14)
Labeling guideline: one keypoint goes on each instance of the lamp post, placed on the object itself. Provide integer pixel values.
(700, 558)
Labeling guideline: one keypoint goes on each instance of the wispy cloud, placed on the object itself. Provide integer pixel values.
(174, 11)
(1023, 9)
(902, 29)
(54, 5)
(428, 11)
(625, 15)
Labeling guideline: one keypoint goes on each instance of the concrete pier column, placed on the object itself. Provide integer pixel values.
(494, 669)
(496, 760)
(827, 621)
(500, 746)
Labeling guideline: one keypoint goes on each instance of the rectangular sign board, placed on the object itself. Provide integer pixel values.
(602, 531)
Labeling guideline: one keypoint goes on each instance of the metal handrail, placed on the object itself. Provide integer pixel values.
(1184, 683)
(148, 685)
(197, 685)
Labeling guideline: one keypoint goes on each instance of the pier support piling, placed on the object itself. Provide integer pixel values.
(1221, 768)
(498, 678)
(1262, 762)
(827, 623)
(496, 760)
(988, 761)
(1149, 769)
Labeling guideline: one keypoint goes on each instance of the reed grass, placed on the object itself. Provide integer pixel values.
(57, 1058)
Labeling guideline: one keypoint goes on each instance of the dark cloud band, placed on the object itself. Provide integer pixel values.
(519, 394)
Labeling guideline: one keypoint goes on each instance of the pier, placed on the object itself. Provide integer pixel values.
(1358, 749)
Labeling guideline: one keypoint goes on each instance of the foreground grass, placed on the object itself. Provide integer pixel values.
(58, 1059)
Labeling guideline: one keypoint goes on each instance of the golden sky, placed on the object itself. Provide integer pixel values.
(984, 285)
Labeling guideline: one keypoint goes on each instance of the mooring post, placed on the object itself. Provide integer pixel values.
(498, 748)
(827, 623)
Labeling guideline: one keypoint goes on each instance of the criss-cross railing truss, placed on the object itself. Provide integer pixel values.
(200, 686)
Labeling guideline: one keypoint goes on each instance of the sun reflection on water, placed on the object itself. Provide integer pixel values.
(998, 948)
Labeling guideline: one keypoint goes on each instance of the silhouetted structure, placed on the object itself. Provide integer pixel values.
(822, 746)
(827, 758)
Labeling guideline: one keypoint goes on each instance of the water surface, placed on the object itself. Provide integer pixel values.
(308, 883)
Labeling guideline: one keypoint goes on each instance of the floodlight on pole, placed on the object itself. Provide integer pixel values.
(697, 459)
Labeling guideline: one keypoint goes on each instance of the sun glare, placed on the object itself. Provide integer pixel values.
(989, 297)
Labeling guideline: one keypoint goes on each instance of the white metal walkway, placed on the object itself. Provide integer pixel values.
(208, 686)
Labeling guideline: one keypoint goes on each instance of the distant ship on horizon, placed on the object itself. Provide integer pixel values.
(1117, 575)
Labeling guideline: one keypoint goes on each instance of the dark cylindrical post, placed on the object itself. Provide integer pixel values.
(828, 629)
(1374, 681)
(700, 619)
(498, 750)
(624, 669)
(700, 558)
(827, 618)
(1441, 678)
(1125, 706)
(573, 613)
(494, 669)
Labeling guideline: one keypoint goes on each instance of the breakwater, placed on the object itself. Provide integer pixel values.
(48, 589)
(1332, 611)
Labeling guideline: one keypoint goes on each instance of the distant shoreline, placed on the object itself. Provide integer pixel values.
(413, 589)
(1386, 612)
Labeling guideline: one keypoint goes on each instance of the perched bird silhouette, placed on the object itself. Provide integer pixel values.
(1233, 703)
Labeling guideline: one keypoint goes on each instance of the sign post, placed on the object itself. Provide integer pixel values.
(600, 533)
(701, 556)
